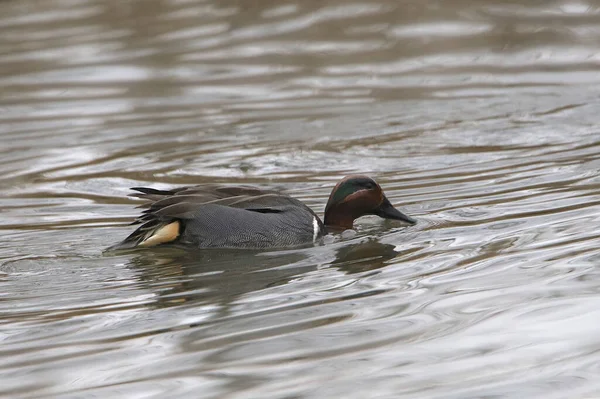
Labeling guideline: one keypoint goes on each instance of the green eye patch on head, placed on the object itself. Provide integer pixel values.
(351, 186)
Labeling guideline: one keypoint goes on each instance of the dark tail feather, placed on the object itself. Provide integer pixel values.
(149, 222)
(150, 194)
(148, 190)
(121, 246)
(134, 238)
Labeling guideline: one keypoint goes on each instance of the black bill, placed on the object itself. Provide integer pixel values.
(387, 211)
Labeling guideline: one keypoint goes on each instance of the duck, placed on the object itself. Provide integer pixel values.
(241, 216)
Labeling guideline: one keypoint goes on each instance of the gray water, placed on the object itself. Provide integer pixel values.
(480, 119)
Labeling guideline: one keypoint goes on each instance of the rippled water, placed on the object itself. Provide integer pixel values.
(480, 119)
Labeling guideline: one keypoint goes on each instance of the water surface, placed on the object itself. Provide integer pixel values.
(480, 119)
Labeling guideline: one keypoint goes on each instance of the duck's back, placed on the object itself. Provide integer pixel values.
(214, 216)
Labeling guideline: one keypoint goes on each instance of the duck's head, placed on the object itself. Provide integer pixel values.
(357, 196)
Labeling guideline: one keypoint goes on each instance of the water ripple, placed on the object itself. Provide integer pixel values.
(477, 119)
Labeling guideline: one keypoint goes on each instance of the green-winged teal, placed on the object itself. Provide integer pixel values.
(214, 216)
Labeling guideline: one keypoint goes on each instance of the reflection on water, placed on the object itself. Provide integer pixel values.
(479, 118)
(178, 276)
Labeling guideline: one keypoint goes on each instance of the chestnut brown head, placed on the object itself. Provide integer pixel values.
(356, 196)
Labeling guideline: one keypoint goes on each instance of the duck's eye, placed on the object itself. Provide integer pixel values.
(370, 185)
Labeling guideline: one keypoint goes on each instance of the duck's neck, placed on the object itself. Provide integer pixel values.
(339, 217)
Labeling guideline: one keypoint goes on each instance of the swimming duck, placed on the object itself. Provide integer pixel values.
(216, 216)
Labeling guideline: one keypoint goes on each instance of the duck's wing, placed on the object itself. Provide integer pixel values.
(162, 202)
(168, 211)
(202, 194)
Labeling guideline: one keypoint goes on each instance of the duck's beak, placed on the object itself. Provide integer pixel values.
(387, 211)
